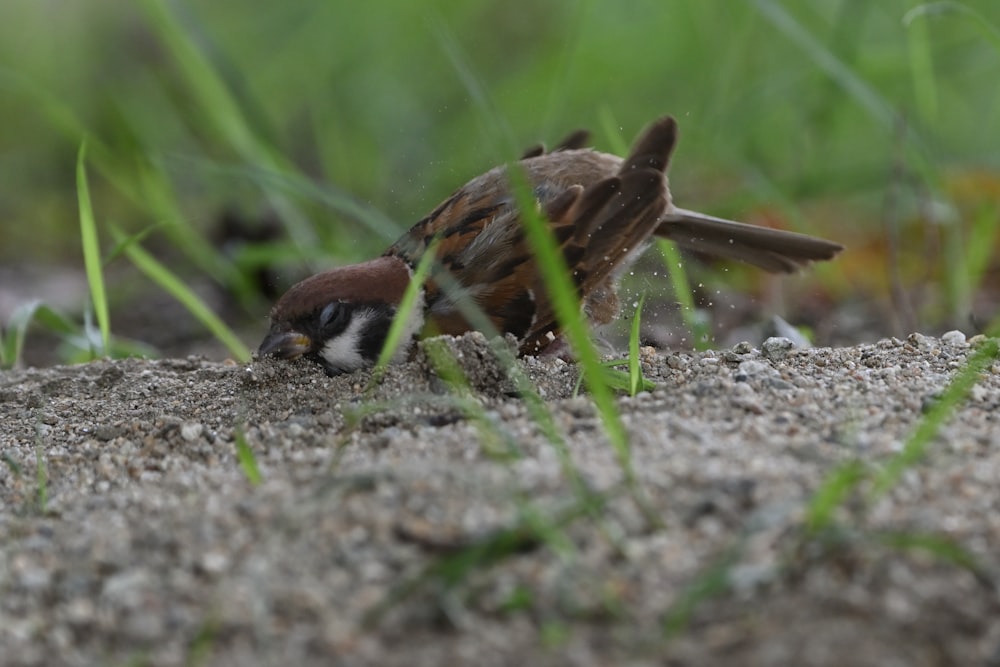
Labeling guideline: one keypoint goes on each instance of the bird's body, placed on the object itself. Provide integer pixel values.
(603, 211)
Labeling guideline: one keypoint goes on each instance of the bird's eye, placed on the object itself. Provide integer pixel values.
(332, 314)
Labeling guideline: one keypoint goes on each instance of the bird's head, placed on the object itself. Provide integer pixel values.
(340, 318)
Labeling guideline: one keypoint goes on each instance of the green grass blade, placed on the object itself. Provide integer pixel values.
(218, 105)
(941, 547)
(619, 381)
(55, 321)
(986, 28)
(125, 242)
(497, 129)
(701, 332)
(982, 241)
(851, 82)
(407, 307)
(612, 131)
(15, 332)
(41, 476)
(21, 319)
(859, 89)
(537, 408)
(12, 465)
(497, 132)
(163, 277)
(448, 368)
(922, 69)
(222, 111)
(300, 187)
(970, 253)
(562, 293)
(247, 460)
(153, 186)
(531, 530)
(494, 442)
(635, 379)
(831, 494)
(92, 251)
(916, 446)
(713, 581)
(143, 181)
(204, 643)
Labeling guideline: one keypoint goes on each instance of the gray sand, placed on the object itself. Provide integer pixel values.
(153, 548)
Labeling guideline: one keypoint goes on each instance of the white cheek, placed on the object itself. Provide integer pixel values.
(341, 352)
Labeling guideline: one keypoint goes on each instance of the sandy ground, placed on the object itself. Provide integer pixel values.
(151, 547)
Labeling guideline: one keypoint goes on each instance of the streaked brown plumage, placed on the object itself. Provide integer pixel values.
(603, 211)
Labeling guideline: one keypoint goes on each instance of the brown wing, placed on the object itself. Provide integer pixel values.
(610, 221)
(484, 256)
(480, 258)
(604, 227)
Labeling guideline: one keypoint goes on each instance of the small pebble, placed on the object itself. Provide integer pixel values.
(777, 348)
(191, 431)
(953, 338)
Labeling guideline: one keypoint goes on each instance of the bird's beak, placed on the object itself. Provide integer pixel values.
(285, 344)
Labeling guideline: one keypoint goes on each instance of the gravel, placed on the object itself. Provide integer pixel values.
(141, 540)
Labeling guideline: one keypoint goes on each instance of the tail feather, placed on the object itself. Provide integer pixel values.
(773, 250)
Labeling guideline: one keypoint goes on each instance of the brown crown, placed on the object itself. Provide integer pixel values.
(381, 280)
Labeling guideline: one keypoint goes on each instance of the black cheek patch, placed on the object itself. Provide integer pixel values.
(375, 332)
(518, 314)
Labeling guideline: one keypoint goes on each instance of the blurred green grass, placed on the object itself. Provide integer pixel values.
(350, 121)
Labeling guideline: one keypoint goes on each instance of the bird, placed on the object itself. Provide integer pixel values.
(602, 211)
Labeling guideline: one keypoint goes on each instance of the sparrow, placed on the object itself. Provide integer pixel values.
(602, 210)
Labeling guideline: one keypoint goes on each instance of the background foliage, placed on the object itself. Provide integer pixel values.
(333, 126)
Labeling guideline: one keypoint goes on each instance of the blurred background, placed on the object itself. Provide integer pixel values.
(241, 145)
